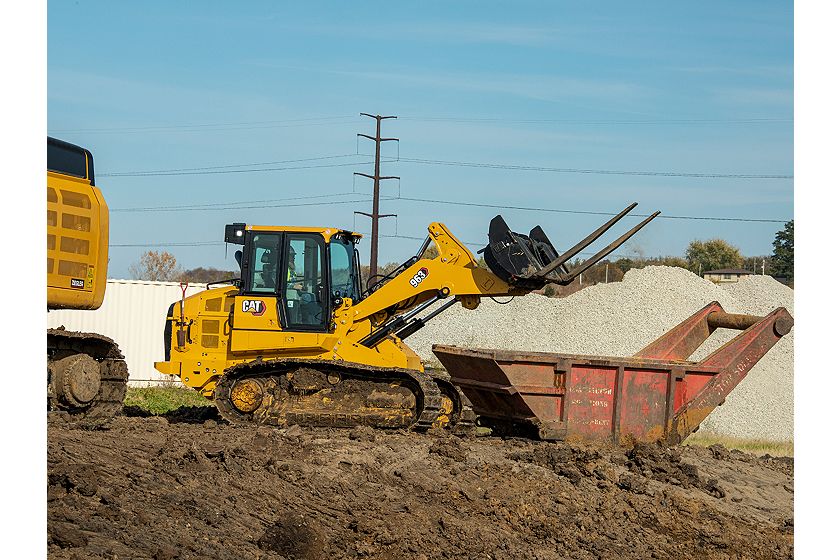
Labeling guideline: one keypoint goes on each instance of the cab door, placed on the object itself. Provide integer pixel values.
(258, 305)
(282, 306)
(303, 283)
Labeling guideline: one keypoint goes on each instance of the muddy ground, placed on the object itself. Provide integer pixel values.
(193, 487)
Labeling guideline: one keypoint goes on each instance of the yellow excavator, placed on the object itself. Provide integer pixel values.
(86, 372)
(296, 340)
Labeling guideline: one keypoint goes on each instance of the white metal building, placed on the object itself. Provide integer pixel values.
(132, 314)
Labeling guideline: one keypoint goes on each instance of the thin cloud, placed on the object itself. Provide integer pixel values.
(452, 33)
(755, 96)
(542, 87)
(781, 71)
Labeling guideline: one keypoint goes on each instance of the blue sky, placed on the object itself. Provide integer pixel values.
(660, 86)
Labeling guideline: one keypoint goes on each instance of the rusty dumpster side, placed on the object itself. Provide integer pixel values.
(655, 395)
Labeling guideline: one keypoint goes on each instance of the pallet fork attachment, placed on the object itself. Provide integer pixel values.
(531, 261)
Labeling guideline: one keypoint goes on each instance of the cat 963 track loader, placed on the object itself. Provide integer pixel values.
(296, 340)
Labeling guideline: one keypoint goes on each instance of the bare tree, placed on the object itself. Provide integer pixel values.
(157, 267)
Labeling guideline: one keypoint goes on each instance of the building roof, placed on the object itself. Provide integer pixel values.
(740, 271)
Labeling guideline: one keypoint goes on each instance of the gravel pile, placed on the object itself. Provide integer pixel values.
(620, 318)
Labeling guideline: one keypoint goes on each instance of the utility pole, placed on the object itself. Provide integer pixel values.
(375, 215)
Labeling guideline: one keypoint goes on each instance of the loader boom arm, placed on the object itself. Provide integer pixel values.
(517, 265)
(454, 272)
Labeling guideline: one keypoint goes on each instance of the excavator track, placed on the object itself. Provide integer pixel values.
(86, 374)
(306, 392)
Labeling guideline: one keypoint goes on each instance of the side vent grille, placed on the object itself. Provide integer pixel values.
(214, 304)
(208, 339)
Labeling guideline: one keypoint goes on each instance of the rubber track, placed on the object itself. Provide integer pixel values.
(113, 369)
(465, 415)
(424, 386)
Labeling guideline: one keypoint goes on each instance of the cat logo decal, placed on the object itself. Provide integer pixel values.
(255, 307)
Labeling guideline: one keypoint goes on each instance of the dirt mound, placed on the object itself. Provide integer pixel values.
(155, 488)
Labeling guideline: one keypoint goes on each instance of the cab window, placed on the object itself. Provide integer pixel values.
(343, 277)
(266, 259)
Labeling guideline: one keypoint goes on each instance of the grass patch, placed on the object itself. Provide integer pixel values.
(754, 446)
(160, 400)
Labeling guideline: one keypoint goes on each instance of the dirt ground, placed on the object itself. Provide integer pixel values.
(192, 486)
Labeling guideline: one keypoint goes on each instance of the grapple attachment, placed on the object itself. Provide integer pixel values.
(531, 261)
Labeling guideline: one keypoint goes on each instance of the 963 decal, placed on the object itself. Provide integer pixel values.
(419, 277)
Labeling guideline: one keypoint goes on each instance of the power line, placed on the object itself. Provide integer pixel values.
(272, 203)
(397, 236)
(552, 210)
(225, 205)
(258, 207)
(600, 121)
(226, 171)
(474, 244)
(595, 171)
(350, 119)
(265, 124)
(175, 244)
(222, 169)
(151, 171)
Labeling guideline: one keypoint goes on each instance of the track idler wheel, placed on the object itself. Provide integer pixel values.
(76, 380)
(246, 395)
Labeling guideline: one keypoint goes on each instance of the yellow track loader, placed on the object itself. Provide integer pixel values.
(86, 372)
(296, 340)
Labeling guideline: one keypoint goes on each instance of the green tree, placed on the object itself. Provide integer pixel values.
(782, 259)
(712, 255)
(668, 261)
(626, 264)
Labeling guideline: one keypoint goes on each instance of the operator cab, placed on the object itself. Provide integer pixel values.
(308, 270)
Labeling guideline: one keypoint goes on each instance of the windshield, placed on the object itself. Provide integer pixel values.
(343, 277)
